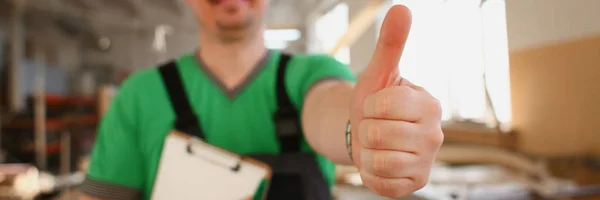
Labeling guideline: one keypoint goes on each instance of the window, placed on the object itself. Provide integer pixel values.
(330, 28)
(280, 38)
(450, 46)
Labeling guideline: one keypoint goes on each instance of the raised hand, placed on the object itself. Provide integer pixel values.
(396, 130)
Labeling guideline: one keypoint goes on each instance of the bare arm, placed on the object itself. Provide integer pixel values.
(326, 112)
(86, 197)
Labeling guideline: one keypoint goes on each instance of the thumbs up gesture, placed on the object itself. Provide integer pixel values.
(395, 124)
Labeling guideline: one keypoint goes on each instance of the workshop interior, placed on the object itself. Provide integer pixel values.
(517, 81)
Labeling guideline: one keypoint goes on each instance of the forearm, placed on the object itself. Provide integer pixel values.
(86, 197)
(326, 112)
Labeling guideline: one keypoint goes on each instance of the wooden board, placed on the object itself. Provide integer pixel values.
(554, 91)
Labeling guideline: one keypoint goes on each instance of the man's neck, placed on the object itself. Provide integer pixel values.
(231, 62)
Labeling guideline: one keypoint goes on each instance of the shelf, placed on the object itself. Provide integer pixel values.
(55, 124)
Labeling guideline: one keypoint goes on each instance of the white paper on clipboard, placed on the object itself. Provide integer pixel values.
(191, 169)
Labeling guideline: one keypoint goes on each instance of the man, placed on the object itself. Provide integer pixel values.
(231, 83)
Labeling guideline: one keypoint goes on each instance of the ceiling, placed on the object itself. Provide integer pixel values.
(94, 18)
(140, 14)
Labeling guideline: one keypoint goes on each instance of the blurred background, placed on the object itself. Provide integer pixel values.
(518, 80)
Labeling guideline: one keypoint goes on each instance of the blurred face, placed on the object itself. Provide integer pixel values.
(229, 20)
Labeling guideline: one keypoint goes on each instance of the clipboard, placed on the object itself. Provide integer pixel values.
(191, 169)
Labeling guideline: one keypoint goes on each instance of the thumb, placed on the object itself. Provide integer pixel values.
(383, 69)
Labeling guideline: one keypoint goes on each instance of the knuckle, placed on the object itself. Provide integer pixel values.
(374, 135)
(440, 137)
(436, 107)
(418, 88)
(404, 93)
(436, 137)
(409, 94)
(430, 105)
(379, 163)
(420, 183)
(382, 187)
(405, 90)
(382, 104)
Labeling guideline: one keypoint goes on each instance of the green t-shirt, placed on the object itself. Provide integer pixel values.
(131, 135)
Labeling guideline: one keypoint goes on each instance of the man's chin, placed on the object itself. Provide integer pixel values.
(234, 26)
(231, 39)
(233, 32)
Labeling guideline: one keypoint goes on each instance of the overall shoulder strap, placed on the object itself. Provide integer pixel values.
(287, 124)
(186, 120)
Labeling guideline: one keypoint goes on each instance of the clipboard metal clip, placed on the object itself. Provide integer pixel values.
(234, 168)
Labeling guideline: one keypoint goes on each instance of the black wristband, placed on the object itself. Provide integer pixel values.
(349, 140)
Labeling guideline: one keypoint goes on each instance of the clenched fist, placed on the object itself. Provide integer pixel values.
(396, 130)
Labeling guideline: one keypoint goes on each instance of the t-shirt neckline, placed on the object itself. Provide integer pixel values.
(232, 93)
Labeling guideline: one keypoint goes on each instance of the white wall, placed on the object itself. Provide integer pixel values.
(181, 43)
(536, 22)
(286, 15)
(362, 49)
